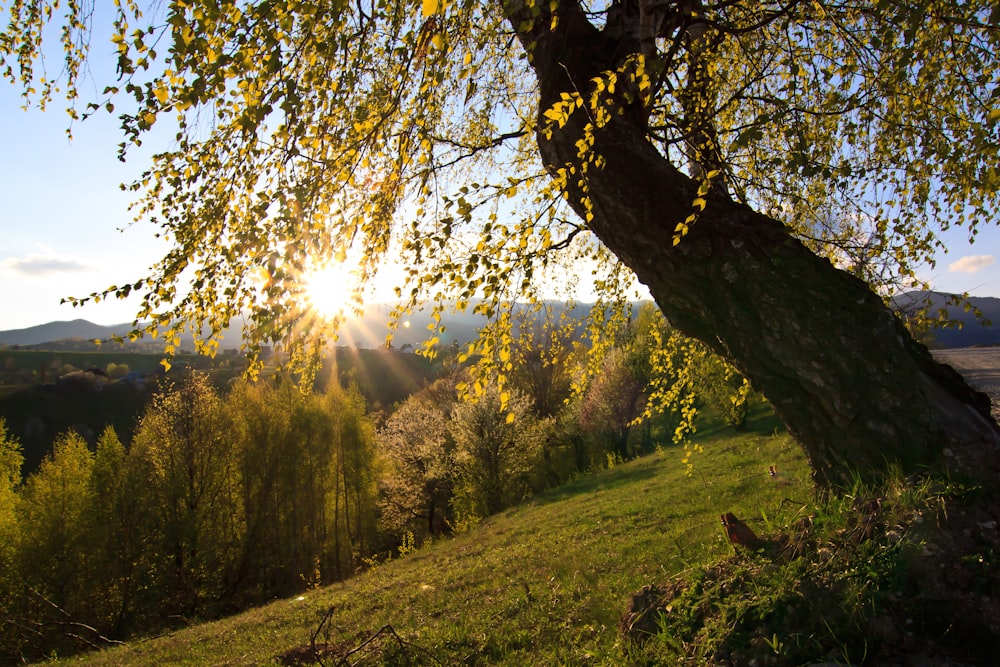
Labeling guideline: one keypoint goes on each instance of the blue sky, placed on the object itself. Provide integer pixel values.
(65, 225)
(63, 216)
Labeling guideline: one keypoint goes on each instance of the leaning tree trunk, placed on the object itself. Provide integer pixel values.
(841, 371)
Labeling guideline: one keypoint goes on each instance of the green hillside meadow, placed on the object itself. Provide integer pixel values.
(541, 584)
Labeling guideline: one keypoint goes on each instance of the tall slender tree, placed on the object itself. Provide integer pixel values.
(352, 491)
(701, 144)
(11, 461)
(117, 531)
(183, 447)
(56, 555)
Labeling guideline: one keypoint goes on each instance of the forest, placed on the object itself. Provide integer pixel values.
(225, 499)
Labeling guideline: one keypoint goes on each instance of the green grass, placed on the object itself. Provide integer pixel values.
(543, 583)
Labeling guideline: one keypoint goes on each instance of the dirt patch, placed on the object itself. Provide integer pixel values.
(384, 647)
(312, 654)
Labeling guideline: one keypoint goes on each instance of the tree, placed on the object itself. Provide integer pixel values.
(269, 447)
(720, 385)
(183, 448)
(703, 145)
(495, 450)
(303, 474)
(419, 467)
(11, 460)
(353, 489)
(117, 371)
(56, 554)
(614, 400)
(644, 376)
(545, 353)
(117, 534)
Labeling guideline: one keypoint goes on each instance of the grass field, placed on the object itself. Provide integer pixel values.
(543, 583)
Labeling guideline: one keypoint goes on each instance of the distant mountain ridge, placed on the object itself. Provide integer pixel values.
(972, 331)
(369, 331)
(62, 330)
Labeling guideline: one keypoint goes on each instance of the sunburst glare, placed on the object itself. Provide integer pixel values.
(332, 290)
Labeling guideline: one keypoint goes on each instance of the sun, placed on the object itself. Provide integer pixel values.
(331, 290)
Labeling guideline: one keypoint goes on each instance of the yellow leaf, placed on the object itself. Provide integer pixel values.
(993, 116)
(510, 417)
(430, 7)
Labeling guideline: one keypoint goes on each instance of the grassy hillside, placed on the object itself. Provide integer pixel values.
(544, 583)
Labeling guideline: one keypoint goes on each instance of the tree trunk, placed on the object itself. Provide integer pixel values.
(841, 371)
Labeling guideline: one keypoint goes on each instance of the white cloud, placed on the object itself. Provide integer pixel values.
(971, 263)
(43, 265)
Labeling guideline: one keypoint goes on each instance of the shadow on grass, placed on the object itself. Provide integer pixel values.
(763, 420)
(760, 421)
(639, 469)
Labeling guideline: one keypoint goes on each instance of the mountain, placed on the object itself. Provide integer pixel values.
(966, 330)
(368, 331)
(53, 331)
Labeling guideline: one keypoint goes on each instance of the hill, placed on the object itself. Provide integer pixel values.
(966, 330)
(630, 566)
(367, 331)
(543, 583)
(37, 409)
(54, 331)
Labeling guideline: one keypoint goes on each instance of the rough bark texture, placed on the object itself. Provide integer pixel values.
(844, 375)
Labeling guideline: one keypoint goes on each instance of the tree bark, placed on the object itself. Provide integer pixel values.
(843, 374)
